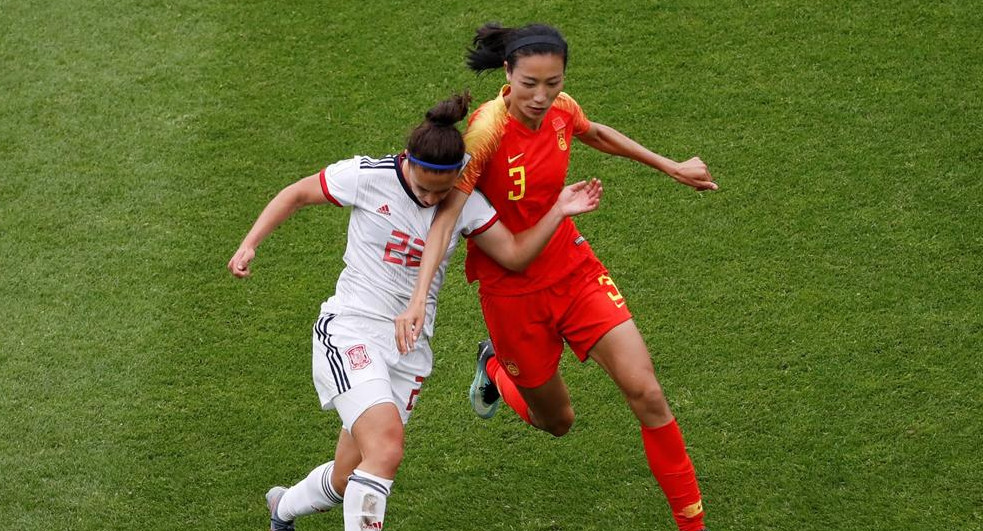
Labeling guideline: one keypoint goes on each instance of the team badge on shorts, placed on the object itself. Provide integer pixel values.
(512, 367)
(358, 357)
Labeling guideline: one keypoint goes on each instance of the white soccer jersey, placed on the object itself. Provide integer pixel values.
(386, 236)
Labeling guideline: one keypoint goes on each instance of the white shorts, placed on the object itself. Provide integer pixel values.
(356, 365)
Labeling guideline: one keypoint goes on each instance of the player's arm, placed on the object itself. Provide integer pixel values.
(693, 172)
(304, 192)
(409, 324)
(516, 251)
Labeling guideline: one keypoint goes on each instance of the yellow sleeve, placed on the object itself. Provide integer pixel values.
(481, 141)
(579, 120)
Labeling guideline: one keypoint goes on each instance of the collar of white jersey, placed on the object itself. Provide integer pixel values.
(402, 180)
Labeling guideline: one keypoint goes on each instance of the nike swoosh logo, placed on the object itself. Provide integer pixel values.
(513, 159)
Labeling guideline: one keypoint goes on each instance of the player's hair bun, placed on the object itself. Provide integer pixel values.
(437, 140)
(450, 111)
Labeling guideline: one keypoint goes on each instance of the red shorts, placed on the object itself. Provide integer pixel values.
(528, 330)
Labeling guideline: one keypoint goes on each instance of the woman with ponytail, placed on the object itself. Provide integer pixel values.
(519, 143)
(357, 369)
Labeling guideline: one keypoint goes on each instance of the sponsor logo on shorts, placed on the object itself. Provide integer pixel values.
(358, 357)
(512, 367)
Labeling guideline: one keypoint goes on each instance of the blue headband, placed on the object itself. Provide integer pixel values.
(432, 166)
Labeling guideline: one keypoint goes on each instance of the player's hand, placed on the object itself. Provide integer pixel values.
(409, 324)
(694, 173)
(239, 263)
(580, 197)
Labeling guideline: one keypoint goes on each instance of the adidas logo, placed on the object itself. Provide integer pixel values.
(384, 209)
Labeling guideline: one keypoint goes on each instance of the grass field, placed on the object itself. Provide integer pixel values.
(817, 322)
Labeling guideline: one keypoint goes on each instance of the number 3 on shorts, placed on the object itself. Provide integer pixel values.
(614, 294)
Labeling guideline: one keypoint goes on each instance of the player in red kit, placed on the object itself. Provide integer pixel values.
(520, 148)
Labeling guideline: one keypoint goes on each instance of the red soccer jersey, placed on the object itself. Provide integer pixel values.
(522, 172)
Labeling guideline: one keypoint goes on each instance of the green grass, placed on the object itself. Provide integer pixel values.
(816, 322)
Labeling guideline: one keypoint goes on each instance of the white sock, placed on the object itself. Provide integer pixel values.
(314, 494)
(365, 501)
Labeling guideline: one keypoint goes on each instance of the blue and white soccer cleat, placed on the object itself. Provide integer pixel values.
(483, 394)
(272, 501)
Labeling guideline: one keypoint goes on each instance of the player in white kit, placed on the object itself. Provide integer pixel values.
(356, 366)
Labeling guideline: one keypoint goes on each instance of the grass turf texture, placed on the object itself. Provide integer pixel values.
(816, 323)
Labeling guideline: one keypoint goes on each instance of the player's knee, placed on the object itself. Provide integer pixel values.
(339, 480)
(393, 455)
(559, 430)
(384, 451)
(558, 425)
(384, 456)
(648, 398)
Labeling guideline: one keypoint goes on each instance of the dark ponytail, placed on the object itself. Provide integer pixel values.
(437, 140)
(494, 44)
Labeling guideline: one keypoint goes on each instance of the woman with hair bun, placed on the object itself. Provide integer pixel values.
(357, 369)
(520, 147)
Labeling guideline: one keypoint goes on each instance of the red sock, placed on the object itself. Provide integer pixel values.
(508, 390)
(672, 468)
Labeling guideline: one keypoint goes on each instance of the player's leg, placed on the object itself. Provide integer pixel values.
(523, 365)
(375, 412)
(351, 375)
(346, 458)
(316, 492)
(546, 407)
(378, 434)
(549, 405)
(623, 355)
(324, 487)
(598, 325)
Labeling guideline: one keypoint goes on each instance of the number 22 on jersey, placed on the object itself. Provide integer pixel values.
(401, 246)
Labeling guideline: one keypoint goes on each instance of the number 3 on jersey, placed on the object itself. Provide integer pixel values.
(520, 182)
(402, 247)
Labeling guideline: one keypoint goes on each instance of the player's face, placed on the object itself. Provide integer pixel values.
(536, 81)
(430, 187)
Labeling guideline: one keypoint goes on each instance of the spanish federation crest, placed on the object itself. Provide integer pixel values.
(358, 357)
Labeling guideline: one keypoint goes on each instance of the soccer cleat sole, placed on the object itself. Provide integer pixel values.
(482, 408)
